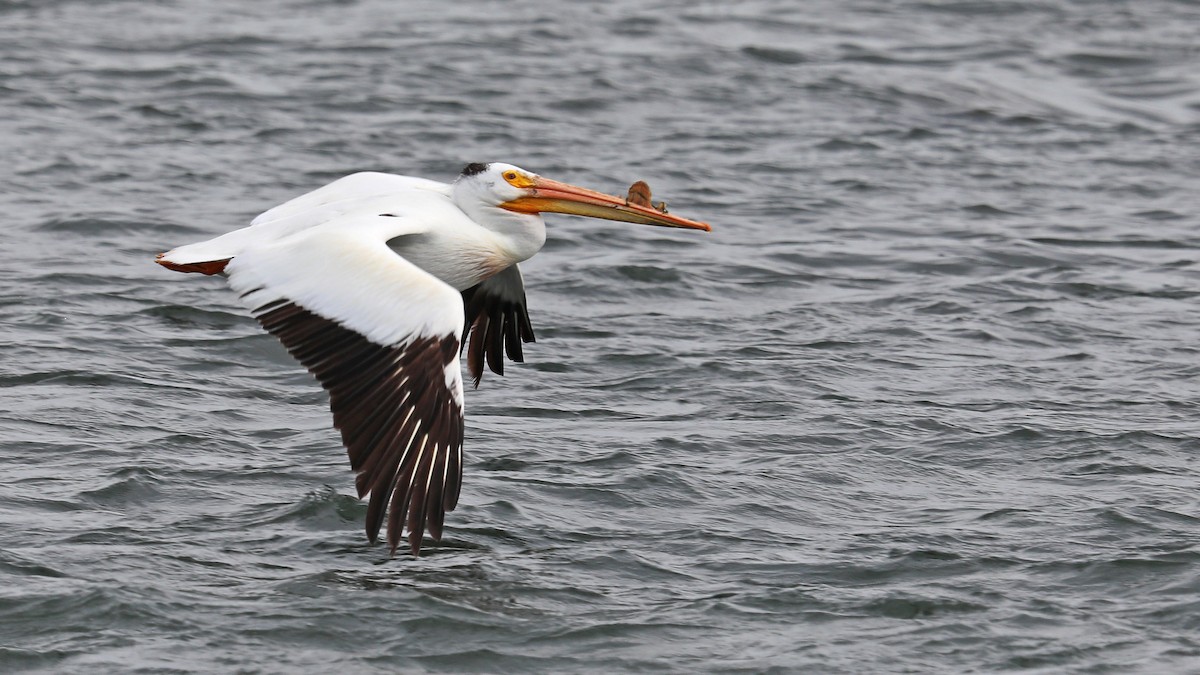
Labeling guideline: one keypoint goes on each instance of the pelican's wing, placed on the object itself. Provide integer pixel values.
(344, 195)
(382, 336)
(498, 321)
(356, 195)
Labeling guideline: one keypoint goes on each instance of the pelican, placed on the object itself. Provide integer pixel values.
(372, 281)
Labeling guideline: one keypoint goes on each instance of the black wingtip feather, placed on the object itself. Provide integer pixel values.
(372, 390)
(495, 326)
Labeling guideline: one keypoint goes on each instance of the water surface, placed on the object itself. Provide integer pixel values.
(926, 400)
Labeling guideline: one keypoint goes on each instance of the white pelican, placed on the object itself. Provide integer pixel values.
(371, 281)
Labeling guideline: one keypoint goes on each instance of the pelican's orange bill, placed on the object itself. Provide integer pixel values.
(553, 196)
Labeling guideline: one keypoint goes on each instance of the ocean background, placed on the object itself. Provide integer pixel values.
(927, 399)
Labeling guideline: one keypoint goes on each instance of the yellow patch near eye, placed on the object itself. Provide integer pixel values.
(518, 179)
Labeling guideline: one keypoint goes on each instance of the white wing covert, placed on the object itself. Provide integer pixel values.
(361, 194)
(344, 194)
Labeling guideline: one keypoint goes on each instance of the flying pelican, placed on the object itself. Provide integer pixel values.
(371, 282)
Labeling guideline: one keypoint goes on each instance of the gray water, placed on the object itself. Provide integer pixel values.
(926, 400)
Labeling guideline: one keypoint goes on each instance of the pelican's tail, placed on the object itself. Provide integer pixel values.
(203, 267)
(206, 257)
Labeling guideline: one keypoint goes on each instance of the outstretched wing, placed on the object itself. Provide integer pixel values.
(344, 200)
(498, 321)
(382, 336)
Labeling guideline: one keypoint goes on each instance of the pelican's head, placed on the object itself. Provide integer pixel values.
(519, 191)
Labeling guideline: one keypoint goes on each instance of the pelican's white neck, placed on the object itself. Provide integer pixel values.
(520, 235)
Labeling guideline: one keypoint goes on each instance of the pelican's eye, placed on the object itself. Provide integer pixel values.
(517, 179)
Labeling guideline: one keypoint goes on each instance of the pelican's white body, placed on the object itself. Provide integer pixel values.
(455, 232)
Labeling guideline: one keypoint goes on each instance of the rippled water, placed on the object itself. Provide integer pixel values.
(926, 400)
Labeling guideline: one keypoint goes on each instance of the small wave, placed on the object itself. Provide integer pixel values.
(775, 55)
(96, 226)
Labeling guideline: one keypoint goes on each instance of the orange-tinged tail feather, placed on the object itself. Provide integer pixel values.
(209, 267)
